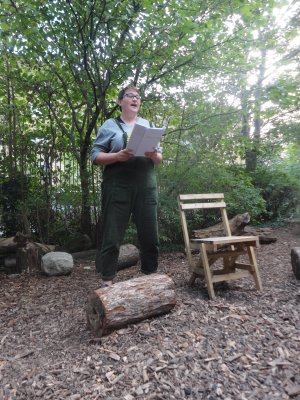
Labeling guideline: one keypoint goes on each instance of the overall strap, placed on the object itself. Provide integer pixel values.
(122, 129)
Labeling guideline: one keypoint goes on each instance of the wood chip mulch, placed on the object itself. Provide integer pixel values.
(243, 345)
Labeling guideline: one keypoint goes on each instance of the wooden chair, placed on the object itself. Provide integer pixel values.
(229, 248)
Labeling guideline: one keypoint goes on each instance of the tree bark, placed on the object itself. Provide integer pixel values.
(27, 258)
(11, 244)
(238, 227)
(19, 253)
(295, 260)
(129, 256)
(264, 234)
(129, 302)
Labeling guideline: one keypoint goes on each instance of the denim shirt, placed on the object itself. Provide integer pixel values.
(110, 137)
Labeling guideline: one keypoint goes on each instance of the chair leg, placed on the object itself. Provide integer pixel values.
(207, 272)
(255, 271)
(192, 279)
(229, 263)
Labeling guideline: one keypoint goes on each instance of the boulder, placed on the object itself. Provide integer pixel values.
(57, 263)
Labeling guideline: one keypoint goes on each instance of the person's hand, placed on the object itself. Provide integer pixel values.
(123, 155)
(154, 155)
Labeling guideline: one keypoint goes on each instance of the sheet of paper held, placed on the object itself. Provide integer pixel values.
(144, 139)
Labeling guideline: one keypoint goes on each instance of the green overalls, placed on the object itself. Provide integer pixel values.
(128, 188)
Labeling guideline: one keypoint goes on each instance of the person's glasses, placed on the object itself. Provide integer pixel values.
(132, 96)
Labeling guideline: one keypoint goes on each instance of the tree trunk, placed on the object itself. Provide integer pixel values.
(85, 219)
(129, 302)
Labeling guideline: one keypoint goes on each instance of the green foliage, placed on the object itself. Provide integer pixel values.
(131, 235)
(240, 195)
(280, 191)
(30, 206)
(13, 194)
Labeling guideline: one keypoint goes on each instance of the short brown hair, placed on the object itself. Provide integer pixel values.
(123, 91)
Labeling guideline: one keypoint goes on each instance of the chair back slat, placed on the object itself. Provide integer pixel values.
(197, 206)
(202, 201)
(201, 196)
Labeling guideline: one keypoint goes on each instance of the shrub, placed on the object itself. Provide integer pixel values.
(280, 191)
(240, 195)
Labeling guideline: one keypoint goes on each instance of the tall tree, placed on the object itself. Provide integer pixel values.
(84, 51)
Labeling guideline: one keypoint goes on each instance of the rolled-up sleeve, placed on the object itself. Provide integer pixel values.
(102, 143)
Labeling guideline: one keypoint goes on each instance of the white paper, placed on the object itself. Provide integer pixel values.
(144, 139)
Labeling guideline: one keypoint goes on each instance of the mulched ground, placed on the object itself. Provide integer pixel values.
(244, 345)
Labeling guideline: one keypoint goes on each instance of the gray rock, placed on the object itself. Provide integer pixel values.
(57, 263)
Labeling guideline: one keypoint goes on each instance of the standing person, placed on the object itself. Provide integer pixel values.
(128, 189)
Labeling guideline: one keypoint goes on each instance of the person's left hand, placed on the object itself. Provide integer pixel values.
(154, 155)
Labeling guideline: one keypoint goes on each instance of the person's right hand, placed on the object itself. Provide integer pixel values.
(123, 155)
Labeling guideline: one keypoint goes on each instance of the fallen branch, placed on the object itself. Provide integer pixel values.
(238, 227)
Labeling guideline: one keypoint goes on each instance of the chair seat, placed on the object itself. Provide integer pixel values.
(222, 240)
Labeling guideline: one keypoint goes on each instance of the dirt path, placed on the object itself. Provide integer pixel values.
(244, 345)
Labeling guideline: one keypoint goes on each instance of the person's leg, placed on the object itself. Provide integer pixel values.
(145, 219)
(116, 206)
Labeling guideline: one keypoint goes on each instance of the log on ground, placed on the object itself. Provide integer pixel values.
(19, 253)
(129, 256)
(128, 302)
(11, 244)
(238, 227)
(295, 260)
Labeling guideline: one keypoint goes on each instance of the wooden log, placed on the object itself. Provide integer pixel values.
(129, 256)
(295, 260)
(27, 258)
(44, 248)
(238, 227)
(265, 235)
(11, 244)
(128, 302)
(24, 255)
(8, 263)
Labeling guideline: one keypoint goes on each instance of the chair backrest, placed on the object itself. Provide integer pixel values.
(202, 201)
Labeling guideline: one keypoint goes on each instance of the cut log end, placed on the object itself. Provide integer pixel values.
(295, 260)
(129, 302)
(95, 314)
